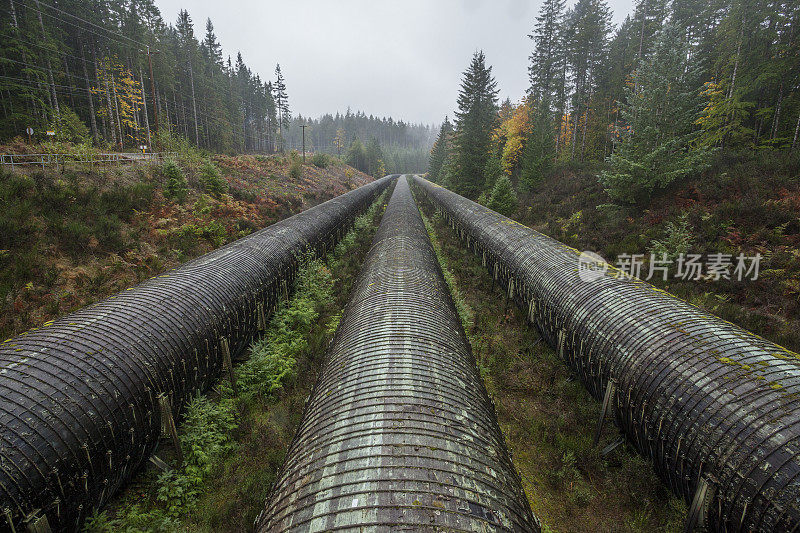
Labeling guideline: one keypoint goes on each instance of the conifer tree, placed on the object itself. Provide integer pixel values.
(539, 153)
(440, 150)
(357, 155)
(281, 99)
(212, 50)
(374, 157)
(657, 145)
(547, 59)
(503, 198)
(475, 119)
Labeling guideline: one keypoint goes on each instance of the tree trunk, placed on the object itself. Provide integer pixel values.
(796, 130)
(115, 110)
(92, 119)
(194, 106)
(777, 119)
(110, 107)
(49, 66)
(144, 108)
(736, 63)
(14, 15)
(71, 94)
(641, 42)
(583, 135)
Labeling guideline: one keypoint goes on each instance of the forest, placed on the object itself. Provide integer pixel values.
(116, 74)
(652, 101)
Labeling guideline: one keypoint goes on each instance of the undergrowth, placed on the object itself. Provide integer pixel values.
(232, 444)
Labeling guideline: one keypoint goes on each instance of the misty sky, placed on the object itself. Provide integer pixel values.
(398, 58)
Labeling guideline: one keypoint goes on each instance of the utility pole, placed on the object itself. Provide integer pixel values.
(153, 89)
(304, 142)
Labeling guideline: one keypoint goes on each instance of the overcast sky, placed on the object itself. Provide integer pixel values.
(398, 58)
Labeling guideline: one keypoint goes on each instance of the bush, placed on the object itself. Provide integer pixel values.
(320, 160)
(503, 198)
(175, 187)
(296, 169)
(677, 239)
(212, 181)
(69, 127)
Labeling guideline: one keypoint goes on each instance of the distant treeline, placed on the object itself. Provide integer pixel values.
(403, 147)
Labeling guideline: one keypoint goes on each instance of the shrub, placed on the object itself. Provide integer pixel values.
(503, 198)
(296, 169)
(320, 160)
(69, 127)
(677, 239)
(212, 181)
(175, 187)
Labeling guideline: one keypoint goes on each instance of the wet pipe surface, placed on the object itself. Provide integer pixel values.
(399, 433)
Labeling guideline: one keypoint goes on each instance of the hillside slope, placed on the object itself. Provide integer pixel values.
(743, 204)
(70, 238)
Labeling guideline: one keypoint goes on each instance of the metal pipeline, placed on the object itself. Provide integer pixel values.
(79, 396)
(399, 432)
(714, 407)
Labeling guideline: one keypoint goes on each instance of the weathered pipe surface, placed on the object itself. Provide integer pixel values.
(398, 433)
(79, 404)
(699, 396)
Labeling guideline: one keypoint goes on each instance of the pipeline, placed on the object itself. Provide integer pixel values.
(398, 432)
(713, 406)
(82, 397)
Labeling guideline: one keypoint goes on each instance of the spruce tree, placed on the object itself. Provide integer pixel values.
(439, 151)
(657, 145)
(357, 156)
(539, 153)
(281, 99)
(475, 120)
(503, 198)
(212, 50)
(547, 59)
(374, 157)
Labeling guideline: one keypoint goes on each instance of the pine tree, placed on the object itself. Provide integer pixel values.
(548, 56)
(439, 151)
(374, 157)
(475, 119)
(540, 150)
(588, 26)
(357, 156)
(281, 99)
(657, 145)
(212, 50)
(503, 198)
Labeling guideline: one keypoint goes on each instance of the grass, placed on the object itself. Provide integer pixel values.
(548, 418)
(234, 446)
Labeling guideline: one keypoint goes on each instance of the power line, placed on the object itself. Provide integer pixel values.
(92, 24)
